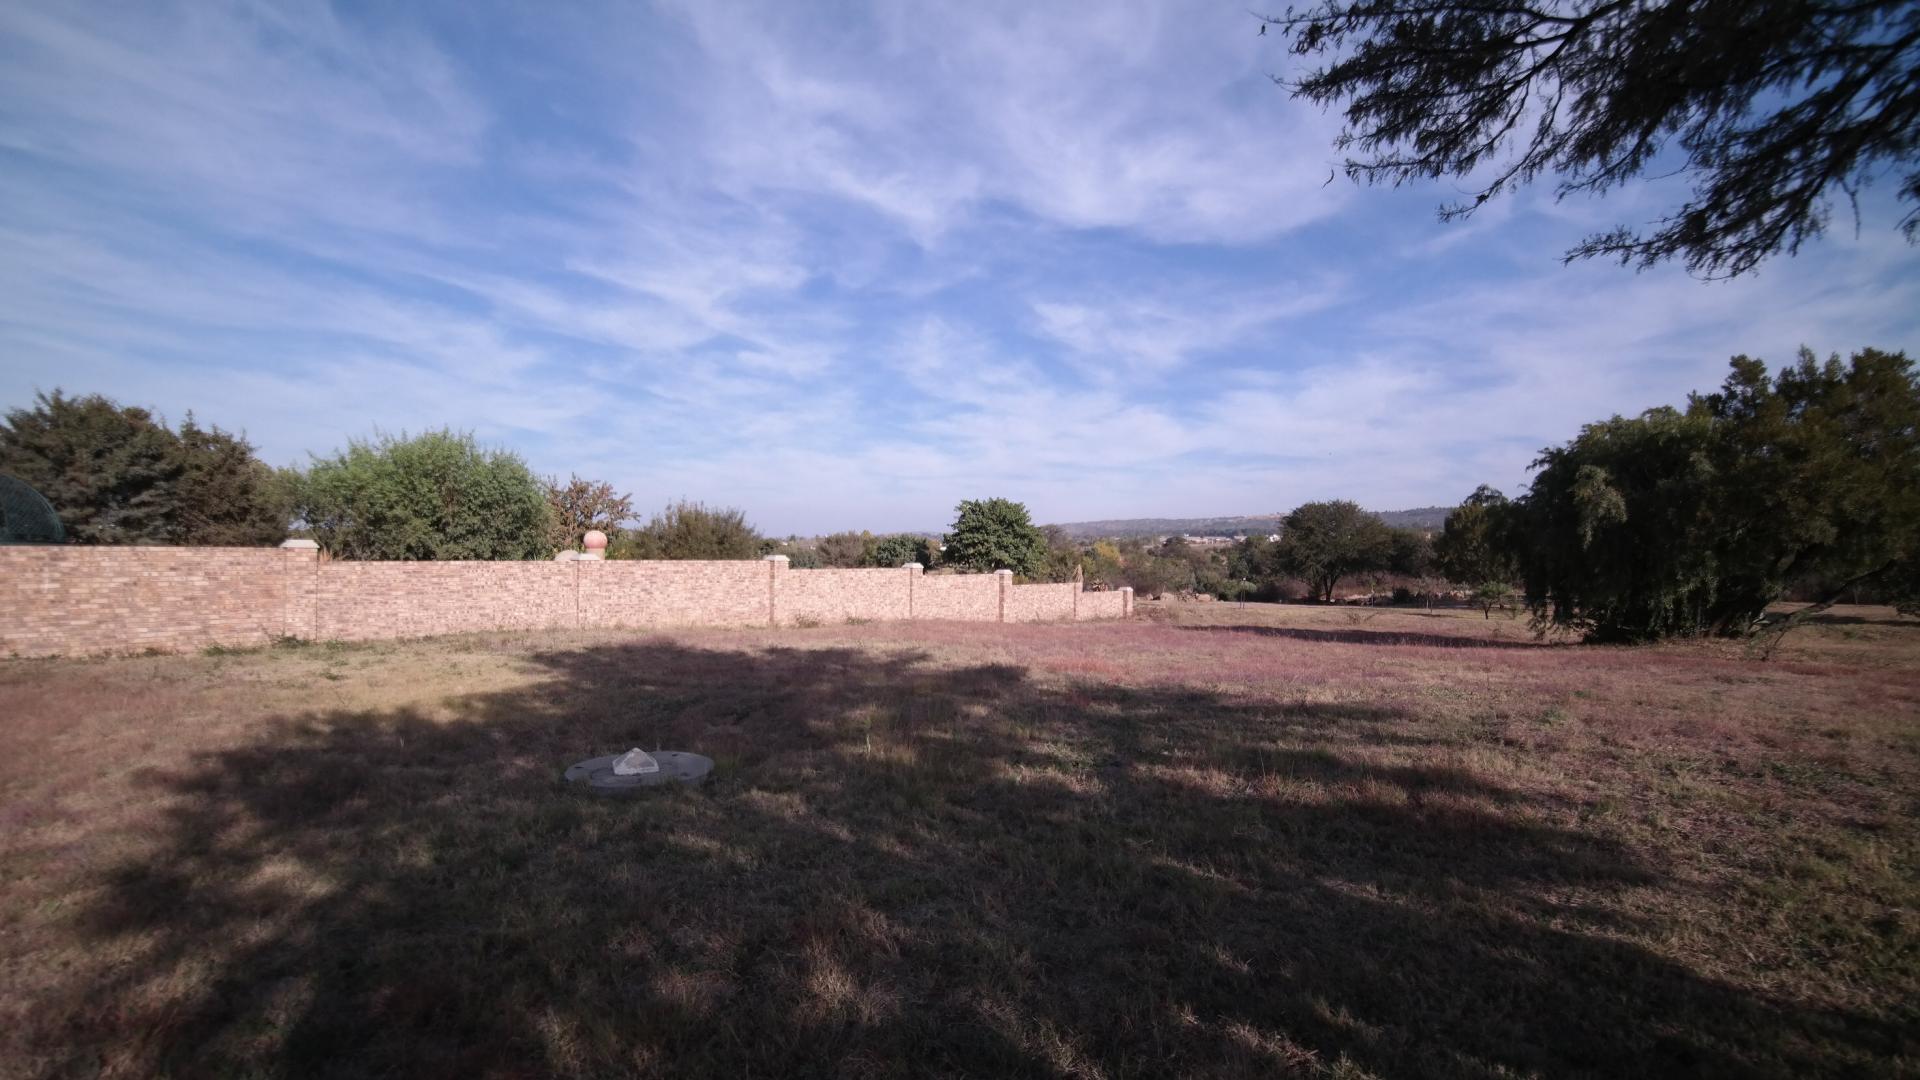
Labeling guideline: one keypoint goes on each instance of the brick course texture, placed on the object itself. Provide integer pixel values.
(70, 600)
(704, 593)
(1041, 603)
(1103, 605)
(971, 597)
(838, 596)
(356, 601)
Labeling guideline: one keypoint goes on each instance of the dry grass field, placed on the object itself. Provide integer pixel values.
(1217, 840)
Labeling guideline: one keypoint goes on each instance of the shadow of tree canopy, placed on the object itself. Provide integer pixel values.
(898, 869)
(1378, 637)
(1831, 618)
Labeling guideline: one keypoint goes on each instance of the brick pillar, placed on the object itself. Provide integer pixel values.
(913, 570)
(776, 570)
(1006, 589)
(300, 617)
(1126, 602)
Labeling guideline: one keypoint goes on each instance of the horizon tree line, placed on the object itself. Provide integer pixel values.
(1677, 522)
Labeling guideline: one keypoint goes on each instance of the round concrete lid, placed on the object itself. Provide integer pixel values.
(676, 766)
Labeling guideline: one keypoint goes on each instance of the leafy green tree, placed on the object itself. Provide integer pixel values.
(1472, 548)
(438, 495)
(1105, 565)
(846, 549)
(1773, 107)
(1429, 588)
(1255, 559)
(1322, 542)
(580, 506)
(111, 473)
(996, 534)
(1680, 523)
(1409, 552)
(901, 549)
(1063, 560)
(1822, 468)
(1615, 536)
(225, 495)
(691, 530)
(1491, 594)
(1153, 576)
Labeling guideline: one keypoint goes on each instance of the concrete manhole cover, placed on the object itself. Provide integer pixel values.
(636, 769)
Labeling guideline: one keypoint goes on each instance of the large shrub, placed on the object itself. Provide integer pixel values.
(437, 495)
(846, 549)
(691, 530)
(901, 549)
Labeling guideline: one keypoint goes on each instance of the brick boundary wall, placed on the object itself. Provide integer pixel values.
(69, 600)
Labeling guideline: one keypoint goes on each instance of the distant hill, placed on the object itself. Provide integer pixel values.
(1424, 517)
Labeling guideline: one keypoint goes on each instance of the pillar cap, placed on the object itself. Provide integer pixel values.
(777, 558)
(1008, 573)
(595, 540)
(911, 566)
(300, 543)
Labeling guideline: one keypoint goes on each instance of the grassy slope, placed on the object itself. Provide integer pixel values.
(1226, 840)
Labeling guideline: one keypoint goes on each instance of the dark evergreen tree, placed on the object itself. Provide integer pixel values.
(1774, 108)
(112, 473)
(225, 494)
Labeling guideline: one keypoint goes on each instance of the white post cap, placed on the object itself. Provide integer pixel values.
(300, 543)
(778, 558)
(911, 566)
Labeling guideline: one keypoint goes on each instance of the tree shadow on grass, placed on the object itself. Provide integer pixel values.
(898, 869)
(1828, 618)
(1377, 637)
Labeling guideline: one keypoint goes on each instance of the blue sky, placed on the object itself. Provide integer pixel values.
(840, 265)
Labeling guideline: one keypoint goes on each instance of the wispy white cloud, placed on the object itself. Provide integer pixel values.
(1127, 115)
(1138, 335)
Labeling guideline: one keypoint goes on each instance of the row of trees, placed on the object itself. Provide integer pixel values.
(1693, 521)
(121, 475)
(1676, 522)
